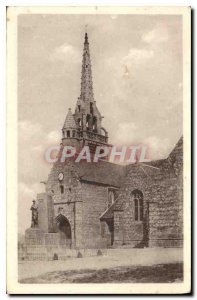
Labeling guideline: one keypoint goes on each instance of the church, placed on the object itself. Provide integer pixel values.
(101, 205)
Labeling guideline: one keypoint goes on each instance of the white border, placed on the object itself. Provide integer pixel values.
(13, 285)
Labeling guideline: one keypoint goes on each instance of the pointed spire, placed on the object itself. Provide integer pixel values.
(69, 121)
(86, 74)
(86, 38)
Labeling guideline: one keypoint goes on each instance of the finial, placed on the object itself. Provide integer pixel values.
(86, 35)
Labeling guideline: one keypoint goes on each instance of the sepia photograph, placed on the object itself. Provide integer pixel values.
(98, 190)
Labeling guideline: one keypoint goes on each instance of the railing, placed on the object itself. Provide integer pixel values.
(89, 135)
(95, 136)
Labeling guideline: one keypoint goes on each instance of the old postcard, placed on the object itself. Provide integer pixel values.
(98, 144)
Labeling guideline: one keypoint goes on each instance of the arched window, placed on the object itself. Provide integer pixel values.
(68, 133)
(137, 197)
(79, 122)
(95, 124)
(87, 121)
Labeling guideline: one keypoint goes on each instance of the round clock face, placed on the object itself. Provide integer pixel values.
(60, 176)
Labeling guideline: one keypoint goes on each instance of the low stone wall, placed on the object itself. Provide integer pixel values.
(49, 253)
(166, 243)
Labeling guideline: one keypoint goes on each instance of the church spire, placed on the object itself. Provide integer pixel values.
(86, 74)
(84, 127)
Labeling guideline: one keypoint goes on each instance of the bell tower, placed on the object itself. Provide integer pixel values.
(84, 127)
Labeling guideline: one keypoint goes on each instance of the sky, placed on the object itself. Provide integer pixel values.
(137, 81)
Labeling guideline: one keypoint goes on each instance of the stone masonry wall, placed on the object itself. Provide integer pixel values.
(132, 232)
(94, 204)
(70, 183)
(162, 188)
(68, 200)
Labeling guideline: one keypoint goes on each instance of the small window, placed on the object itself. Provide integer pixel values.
(137, 197)
(60, 210)
(79, 108)
(62, 189)
(79, 122)
(68, 133)
(73, 133)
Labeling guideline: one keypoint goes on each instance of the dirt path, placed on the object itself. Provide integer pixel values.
(153, 274)
(114, 259)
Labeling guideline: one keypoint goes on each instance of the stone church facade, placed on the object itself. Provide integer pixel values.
(100, 204)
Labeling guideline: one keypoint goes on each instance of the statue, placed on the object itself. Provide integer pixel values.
(34, 218)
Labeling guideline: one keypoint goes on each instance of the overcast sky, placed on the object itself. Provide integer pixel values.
(137, 80)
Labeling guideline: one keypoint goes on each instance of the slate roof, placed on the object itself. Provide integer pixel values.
(69, 121)
(101, 172)
(178, 149)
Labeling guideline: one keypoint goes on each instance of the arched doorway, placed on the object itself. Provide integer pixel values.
(64, 228)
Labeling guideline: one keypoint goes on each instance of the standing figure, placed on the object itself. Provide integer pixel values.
(34, 216)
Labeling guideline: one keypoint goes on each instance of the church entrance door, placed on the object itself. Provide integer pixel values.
(110, 224)
(65, 230)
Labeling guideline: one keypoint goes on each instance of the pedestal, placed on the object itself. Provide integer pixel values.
(34, 236)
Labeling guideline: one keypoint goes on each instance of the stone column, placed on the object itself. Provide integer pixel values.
(42, 211)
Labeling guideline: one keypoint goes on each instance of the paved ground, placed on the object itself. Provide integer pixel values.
(127, 262)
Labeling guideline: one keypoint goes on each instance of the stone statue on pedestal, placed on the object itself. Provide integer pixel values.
(34, 216)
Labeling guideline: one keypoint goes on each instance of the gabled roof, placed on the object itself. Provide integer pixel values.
(178, 149)
(109, 213)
